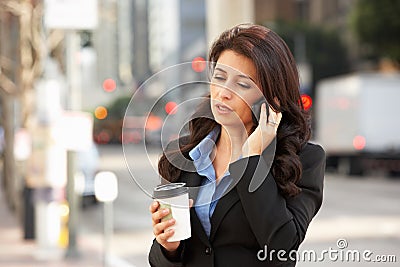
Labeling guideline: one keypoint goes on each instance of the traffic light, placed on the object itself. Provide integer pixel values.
(359, 142)
(198, 64)
(109, 85)
(171, 108)
(100, 113)
(307, 101)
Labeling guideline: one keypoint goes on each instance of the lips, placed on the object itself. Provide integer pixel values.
(223, 108)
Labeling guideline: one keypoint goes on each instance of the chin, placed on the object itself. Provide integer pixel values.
(229, 122)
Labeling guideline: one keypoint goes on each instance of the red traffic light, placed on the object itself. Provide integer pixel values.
(359, 142)
(109, 85)
(171, 108)
(198, 64)
(307, 101)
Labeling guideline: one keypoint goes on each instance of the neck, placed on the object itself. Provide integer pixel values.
(230, 142)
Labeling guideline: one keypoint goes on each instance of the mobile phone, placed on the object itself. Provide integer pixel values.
(256, 109)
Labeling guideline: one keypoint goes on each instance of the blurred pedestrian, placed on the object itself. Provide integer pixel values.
(229, 149)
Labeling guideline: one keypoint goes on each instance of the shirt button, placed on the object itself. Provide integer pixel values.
(208, 250)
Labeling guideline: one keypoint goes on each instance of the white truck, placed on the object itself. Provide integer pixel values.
(357, 121)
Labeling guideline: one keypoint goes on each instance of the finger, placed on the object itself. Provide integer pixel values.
(263, 114)
(271, 118)
(163, 237)
(274, 115)
(190, 202)
(279, 114)
(154, 206)
(158, 215)
(271, 113)
(160, 227)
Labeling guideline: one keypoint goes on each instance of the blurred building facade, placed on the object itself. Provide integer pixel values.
(327, 12)
(140, 49)
(176, 32)
(136, 39)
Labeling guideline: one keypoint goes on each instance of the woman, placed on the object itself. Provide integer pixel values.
(232, 225)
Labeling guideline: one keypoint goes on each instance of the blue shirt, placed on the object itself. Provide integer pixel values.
(210, 191)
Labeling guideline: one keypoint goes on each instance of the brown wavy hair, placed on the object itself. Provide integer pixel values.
(279, 79)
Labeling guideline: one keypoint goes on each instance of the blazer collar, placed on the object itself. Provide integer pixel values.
(223, 206)
(193, 181)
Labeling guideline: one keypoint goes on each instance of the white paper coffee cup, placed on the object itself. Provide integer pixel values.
(175, 196)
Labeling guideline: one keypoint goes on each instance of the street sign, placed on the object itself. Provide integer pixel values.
(75, 130)
(71, 14)
(106, 186)
(22, 144)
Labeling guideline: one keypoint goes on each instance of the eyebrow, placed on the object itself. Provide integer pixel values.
(240, 75)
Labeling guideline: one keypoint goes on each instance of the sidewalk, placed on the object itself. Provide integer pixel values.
(17, 252)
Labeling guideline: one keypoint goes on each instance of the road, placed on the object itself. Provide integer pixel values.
(358, 216)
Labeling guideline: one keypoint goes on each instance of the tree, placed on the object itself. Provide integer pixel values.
(377, 25)
(20, 65)
(324, 49)
(118, 107)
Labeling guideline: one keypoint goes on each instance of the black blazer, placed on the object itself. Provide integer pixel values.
(244, 223)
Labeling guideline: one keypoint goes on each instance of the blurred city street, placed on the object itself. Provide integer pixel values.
(363, 211)
(80, 79)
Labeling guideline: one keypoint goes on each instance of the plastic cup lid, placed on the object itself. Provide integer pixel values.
(170, 190)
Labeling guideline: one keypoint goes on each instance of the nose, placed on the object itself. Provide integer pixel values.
(224, 92)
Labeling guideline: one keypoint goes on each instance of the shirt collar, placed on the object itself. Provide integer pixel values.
(200, 154)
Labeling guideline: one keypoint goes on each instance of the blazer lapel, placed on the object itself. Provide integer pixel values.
(193, 181)
(223, 206)
(197, 227)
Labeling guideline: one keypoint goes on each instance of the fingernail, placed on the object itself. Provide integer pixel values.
(165, 211)
(171, 220)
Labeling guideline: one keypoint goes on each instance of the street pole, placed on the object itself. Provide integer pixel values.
(106, 191)
(108, 229)
(63, 15)
(72, 39)
(73, 73)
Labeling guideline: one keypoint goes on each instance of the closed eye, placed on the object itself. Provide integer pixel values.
(244, 85)
(219, 77)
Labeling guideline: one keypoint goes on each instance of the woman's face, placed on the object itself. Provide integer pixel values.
(234, 88)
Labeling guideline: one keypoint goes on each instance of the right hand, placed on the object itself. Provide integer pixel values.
(264, 133)
(159, 227)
